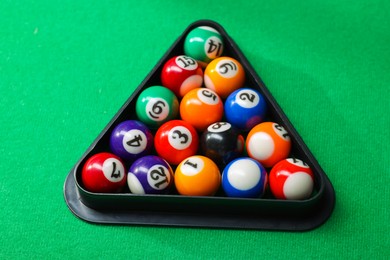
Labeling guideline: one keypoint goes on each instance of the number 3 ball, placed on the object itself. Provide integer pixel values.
(245, 108)
(156, 105)
(197, 176)
(103, 172)
(244, 178)
(224, 75)
(268, 143)
(201, 107)
(131, 139)
(150, 175)
(291, 179)
(181, 74)
(176, 140)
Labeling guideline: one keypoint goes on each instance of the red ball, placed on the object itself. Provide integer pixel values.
(291, 179)
(176, 140)
(103, 172)
(181, 74)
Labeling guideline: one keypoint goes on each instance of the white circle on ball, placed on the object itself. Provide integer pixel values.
(113, 170)
(134, 184)
(186, 63)
(219, 127)
(247, 98)
(298, 162)
(208, 96)
(157, 109)
(158, 177)
(261, 146)
(298, 186)
(213, 47)
(179, 137)
(243, 174)
(192, 166)
(190, 83)
(134, 141)
(227, 68)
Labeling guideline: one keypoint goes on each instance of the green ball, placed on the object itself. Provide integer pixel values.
(156, 105)
(203, 44)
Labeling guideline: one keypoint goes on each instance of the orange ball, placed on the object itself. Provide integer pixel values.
(268, 143)
(197, 176)
(224, 75)
(201, 107)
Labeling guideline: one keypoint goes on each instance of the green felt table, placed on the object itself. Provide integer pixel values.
(66, 67)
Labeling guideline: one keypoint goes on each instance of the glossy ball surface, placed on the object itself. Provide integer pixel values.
(131, 139)
(244, 178)
(201, 107)
(204, 44)
(156, 105)
(197, 176)
(291, 179)
(245, 108)
(268, 143)
(176, 140)
(103, 173)
(221, 142)
(224, 75)
(150, 175)
(181, 74)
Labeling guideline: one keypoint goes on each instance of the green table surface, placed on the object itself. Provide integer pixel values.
(66, 67)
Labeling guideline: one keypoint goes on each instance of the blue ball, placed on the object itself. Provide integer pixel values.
(245, 108)
(245, 178)
(150, 175)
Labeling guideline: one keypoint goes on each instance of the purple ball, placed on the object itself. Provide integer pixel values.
(150, 175)
(131, 140)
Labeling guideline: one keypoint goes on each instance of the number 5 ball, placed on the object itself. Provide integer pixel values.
(103, 172)
(268, 143)
(291, 179)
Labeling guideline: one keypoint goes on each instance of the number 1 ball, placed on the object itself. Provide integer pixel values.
(181, 74)
(291, 179)
(176, 140)
(103, 172)
(150, 175)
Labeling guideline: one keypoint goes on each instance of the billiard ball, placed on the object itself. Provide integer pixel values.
(156, 105)
(131, 139)
(150, 175)
(268, 143)
(197, 176)
(224, 75)
(291, 179)
(103, 173)
(221, 142)
(201, 107)
(181, 74)
(245, 108)
(245, 178)
(176, 140)
(204, 44)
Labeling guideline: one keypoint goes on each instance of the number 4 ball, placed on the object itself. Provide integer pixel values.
(291, 179)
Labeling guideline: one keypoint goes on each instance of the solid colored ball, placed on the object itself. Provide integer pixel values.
(156, 105)
(224, 75)
(204, 44)
(201, 107)
(245, 108)
(197, 176)
(245, 178)
(181, 74)
(222, 143)
(150, 175)
(131, 139)
(291, 179)
(176, 140)
(103, 173)
(268, 143)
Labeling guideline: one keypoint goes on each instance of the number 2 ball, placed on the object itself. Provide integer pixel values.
(181, 74)
(291, 179)
(245, 108)
(156, 105)
(150, 175)
(103, 173)
(176, 140)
